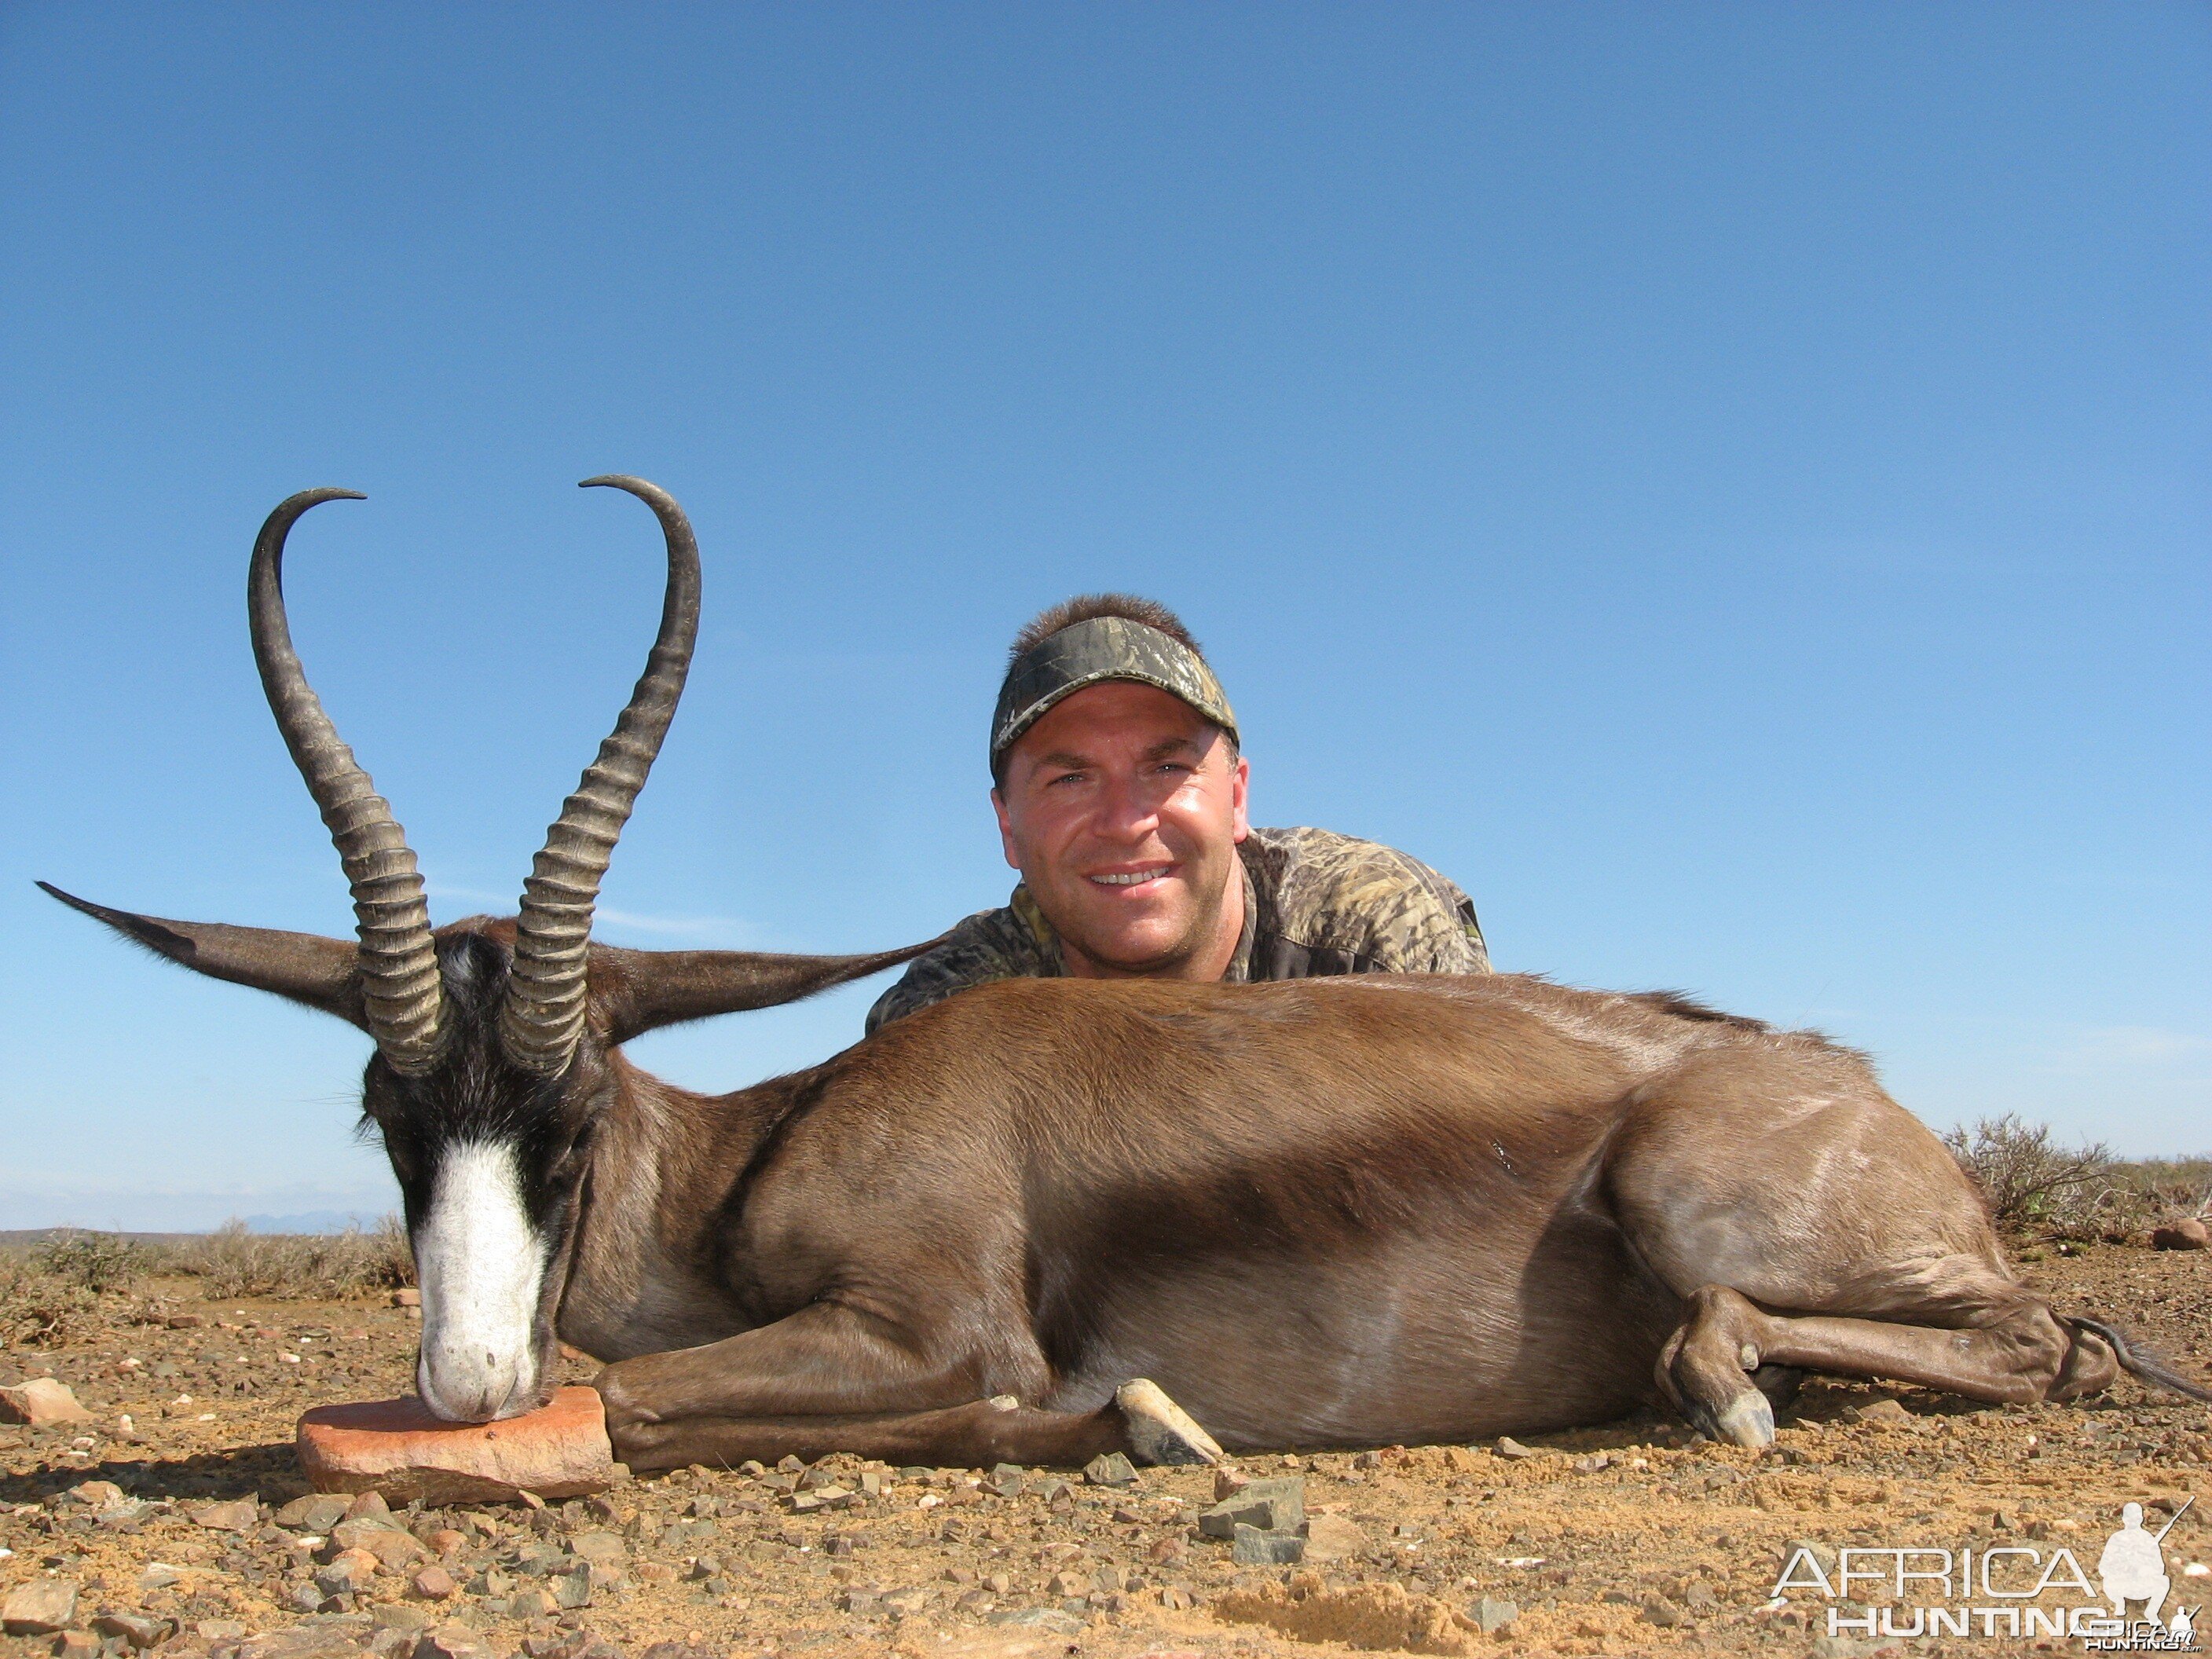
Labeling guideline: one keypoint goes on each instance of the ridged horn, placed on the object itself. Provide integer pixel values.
(543, 1013)
(400, 989)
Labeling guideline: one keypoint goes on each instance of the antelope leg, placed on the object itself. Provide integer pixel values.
(2022, 1357)
(826, 1360)
(974, 1436)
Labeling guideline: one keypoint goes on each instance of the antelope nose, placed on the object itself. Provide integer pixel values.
(482, 1392)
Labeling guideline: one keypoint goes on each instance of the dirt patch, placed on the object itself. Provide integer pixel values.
(1629, 1539)
(1383, 1616)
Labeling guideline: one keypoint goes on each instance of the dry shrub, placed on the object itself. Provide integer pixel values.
(2025, 1177)
(2038, 1189)
(96, 1261)
(2130, 1199)
(42, 1309)
(293, 1267)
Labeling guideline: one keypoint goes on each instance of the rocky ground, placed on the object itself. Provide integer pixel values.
(1630, 1539)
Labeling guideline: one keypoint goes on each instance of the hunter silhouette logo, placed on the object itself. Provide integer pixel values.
(2002, 1590)
(2133, 1568)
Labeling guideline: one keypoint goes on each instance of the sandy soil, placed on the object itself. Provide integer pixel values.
(1630, 1539)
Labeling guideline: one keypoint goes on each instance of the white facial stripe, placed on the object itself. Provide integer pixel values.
(481, 1265)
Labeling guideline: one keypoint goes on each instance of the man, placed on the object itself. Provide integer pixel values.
(1120, 791)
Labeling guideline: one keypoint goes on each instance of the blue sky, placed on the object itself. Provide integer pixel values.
(1727, 483)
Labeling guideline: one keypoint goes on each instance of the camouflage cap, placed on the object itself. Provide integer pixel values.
(1102, 649)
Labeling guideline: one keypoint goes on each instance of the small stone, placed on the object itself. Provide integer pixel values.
(1822, 1555)
(1264, 1505)
(39, 1607)
(1332, 1538)
(348, 1574)
(1879, 1411)
(1111, 1470)
(1051, 1618)
(530, 1604)
(42, 1403)
(1491, 1615)
(1849, 1647)
(186, 1321)
(1508, 1447)
(451, 1642)
(433, 1584)
(238, 1515)
(2186, 1234)
(316, 1512)
(135, 1628)
(380, 1538)
(76, 1644)
(1252, 1546)
(302, 1597)
(368, 1505)
(398, 1448)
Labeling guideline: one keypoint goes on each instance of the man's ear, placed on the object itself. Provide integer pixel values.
(634, 992)
(304, 966)
(1005, 829)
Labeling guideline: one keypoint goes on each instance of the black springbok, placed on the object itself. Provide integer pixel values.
(1328, 1211)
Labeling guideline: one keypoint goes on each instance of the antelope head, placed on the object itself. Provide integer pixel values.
(491, 1071)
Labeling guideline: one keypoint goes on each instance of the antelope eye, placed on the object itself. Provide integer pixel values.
(569, 1159)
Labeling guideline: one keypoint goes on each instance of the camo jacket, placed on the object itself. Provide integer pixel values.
(1315, 904)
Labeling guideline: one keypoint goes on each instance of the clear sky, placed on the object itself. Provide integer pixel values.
(1728, 484)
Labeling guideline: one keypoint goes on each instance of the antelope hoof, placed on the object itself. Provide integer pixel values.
(1748, 1421)
(1161, 1431)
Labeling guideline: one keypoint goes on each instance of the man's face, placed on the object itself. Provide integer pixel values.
(1123, 808)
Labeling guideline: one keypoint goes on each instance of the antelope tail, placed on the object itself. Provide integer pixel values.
(2140, 1360)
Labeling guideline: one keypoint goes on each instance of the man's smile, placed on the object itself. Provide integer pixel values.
(1130, 877)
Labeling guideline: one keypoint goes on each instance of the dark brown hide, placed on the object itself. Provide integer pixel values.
(1326, 1211)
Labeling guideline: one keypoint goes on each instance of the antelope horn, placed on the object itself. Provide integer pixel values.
(543, 1013)
(400, 990)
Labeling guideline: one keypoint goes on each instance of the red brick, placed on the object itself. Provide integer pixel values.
(395, 1447)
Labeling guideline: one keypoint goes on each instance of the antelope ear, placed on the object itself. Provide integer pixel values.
(305, 967)
(638, 991)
